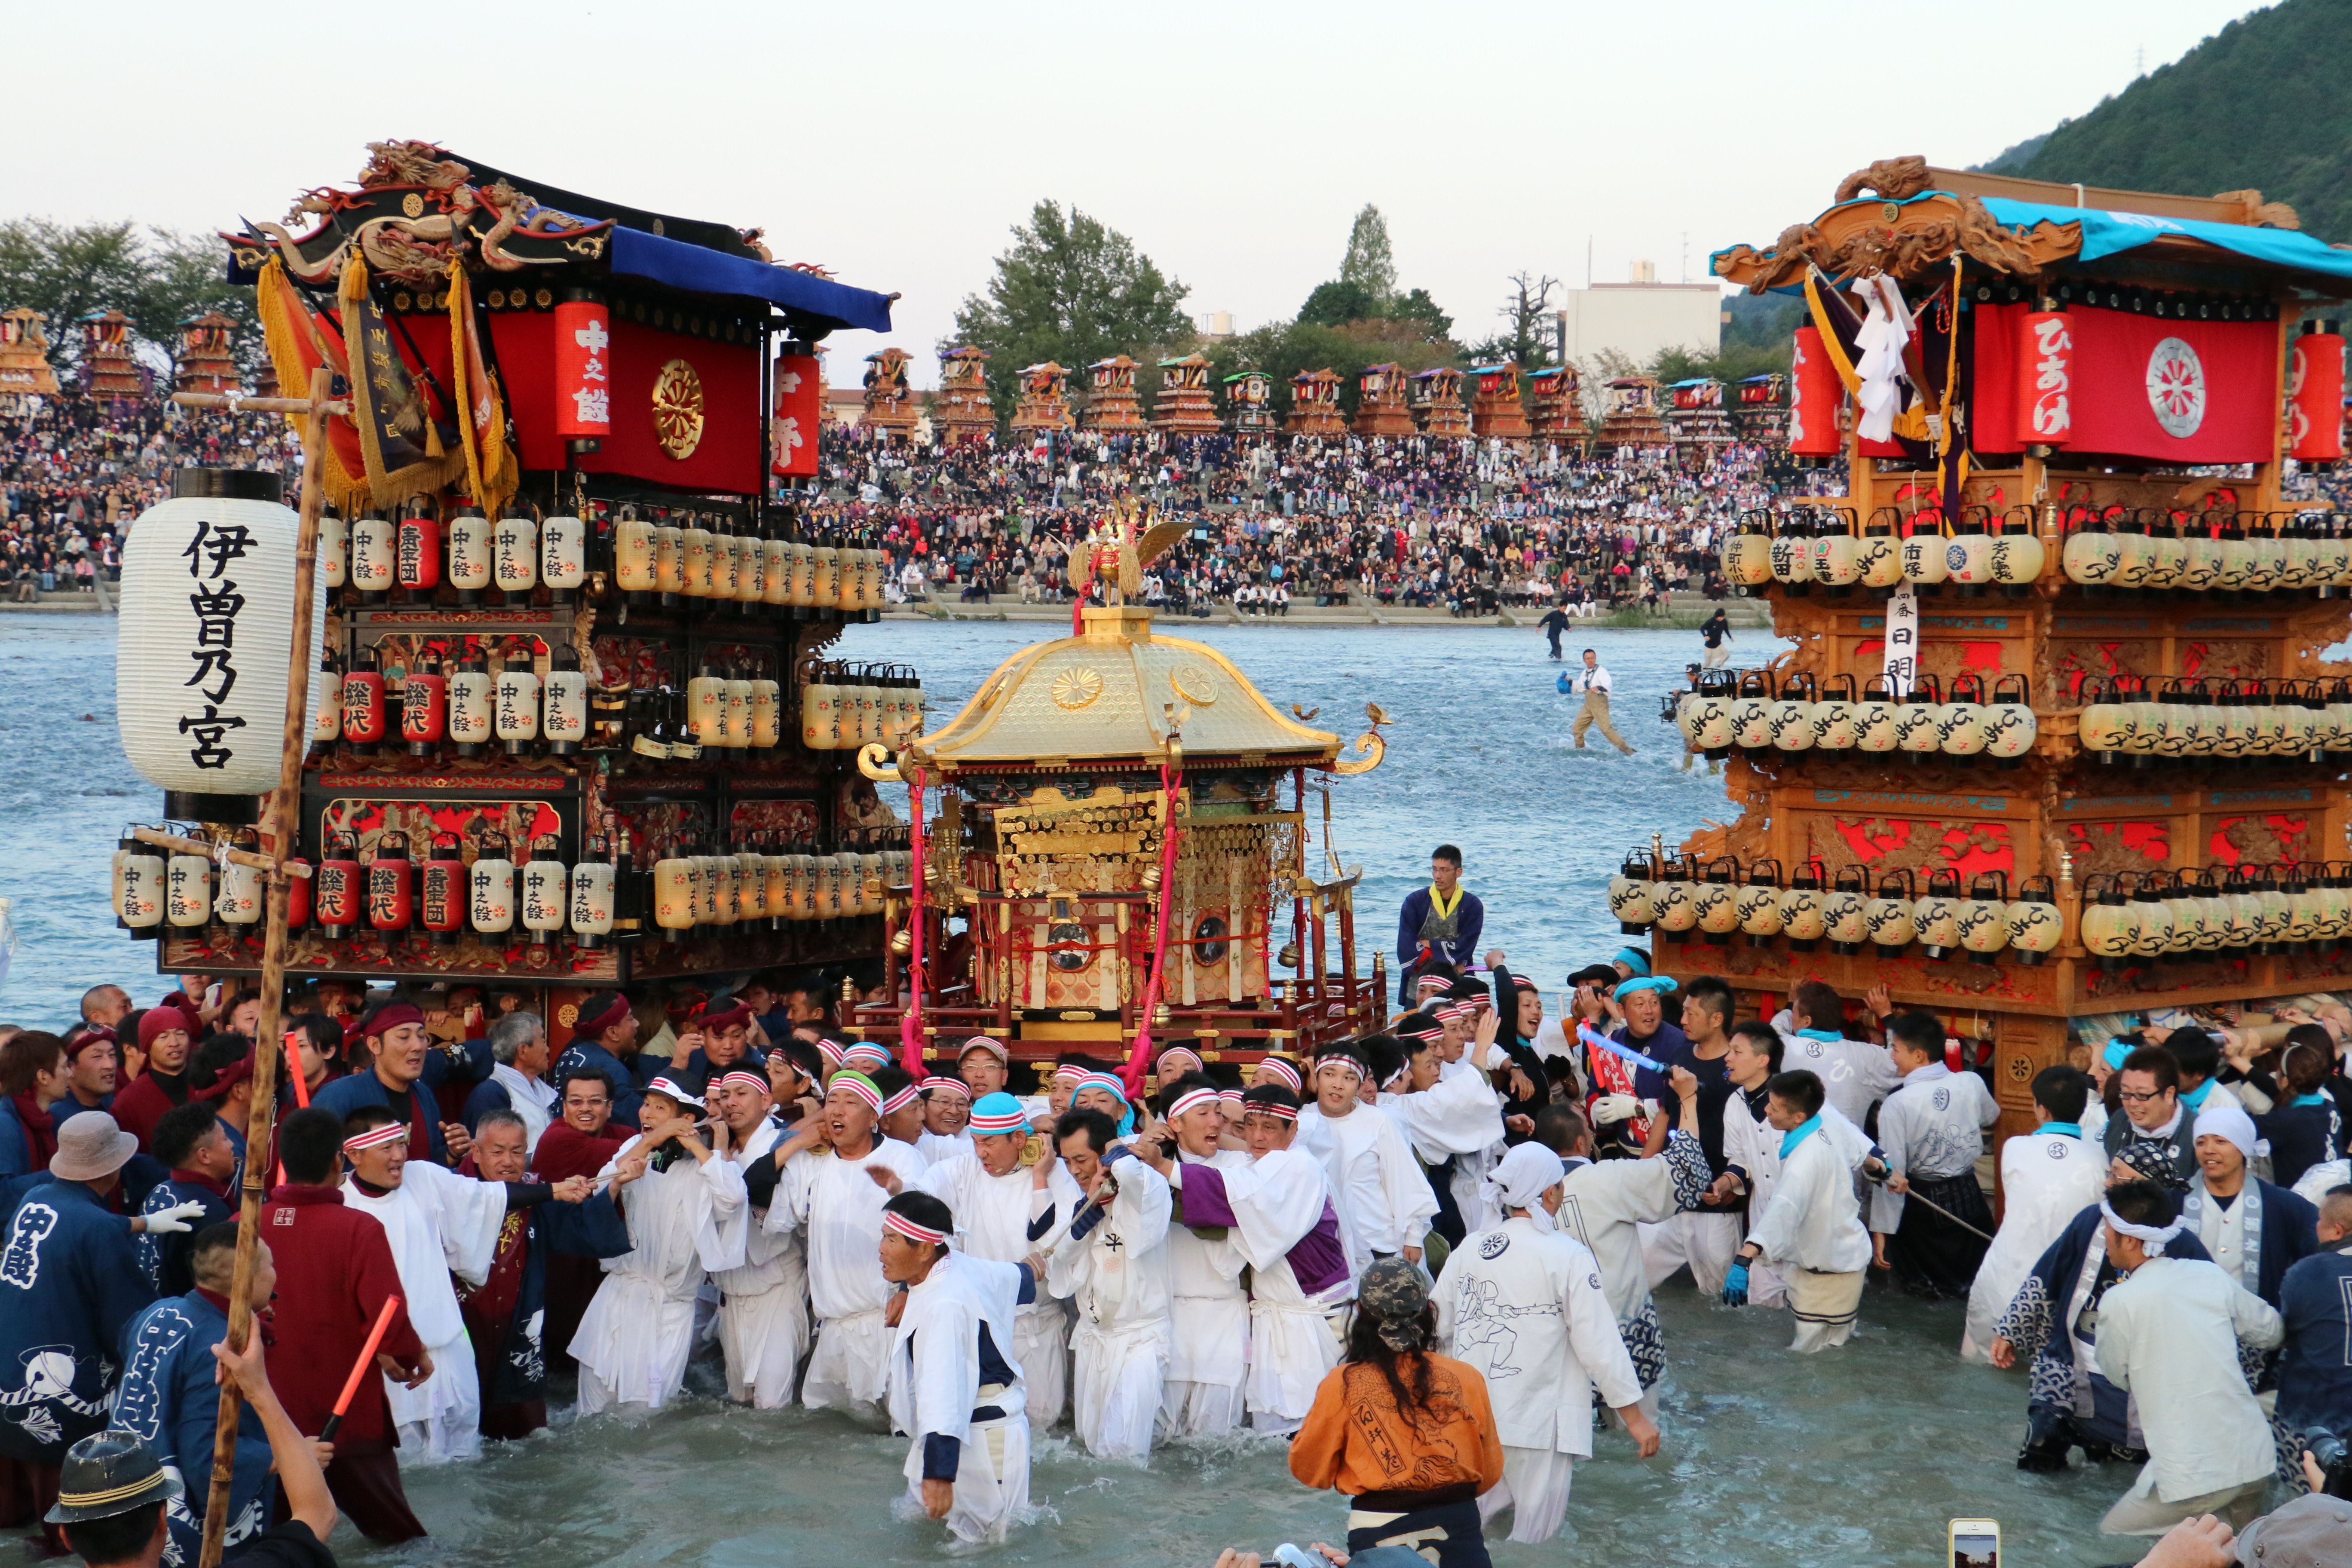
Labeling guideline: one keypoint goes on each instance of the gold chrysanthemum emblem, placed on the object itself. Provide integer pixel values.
(1194, 684)
(1074, 688)
(677, 409)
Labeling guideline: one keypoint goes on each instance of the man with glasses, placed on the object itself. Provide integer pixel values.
(578, 1143)
(2154, 1138)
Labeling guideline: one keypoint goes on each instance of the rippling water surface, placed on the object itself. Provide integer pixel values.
(1855, 1458)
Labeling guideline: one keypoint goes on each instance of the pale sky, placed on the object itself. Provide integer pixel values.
(897, 143)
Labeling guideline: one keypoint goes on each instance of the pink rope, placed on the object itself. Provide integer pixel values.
(911, 1026)
(1138, 1061)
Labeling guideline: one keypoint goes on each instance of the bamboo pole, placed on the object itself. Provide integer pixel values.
(283, 813)
(162, 840)
(237, 404)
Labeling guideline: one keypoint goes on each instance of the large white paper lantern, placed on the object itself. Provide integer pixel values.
(207, 623)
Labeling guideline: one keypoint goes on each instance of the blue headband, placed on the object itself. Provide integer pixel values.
(2114, 1054)
(1660, 984)
(1632, 959)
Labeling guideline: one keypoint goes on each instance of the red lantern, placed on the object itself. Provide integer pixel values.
(799, 395)
(424, 706)
(1814, 394)
(363, 705)
(2046, 379)
(297, 897)
(416, 555)
(341, 887)
(2315, 396)
(445, 889)
(583, 370)
(392, 897)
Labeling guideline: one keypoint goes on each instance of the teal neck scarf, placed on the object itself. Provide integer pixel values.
(1799, 1133)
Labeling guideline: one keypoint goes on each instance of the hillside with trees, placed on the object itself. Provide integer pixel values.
(2260, 105)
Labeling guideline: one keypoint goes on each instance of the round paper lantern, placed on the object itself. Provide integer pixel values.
(1984, 917)
(670, 562)
(776, 887)
(2010, 725)
(801, 587)
(473, 704)
(592, 903)
(2314, 385)
(1814, 394)
(2108, 928)
(674, 896)
(206, 622)
(825, 592)
(518, 706)
(1938, 914)
(239, 900)
(140, 878)
(1791, 722)
(514, 557)
(633, 553)
(735, 721)
(818, 697)
(546, 892)
(799, 884)
(1926, 561)
(1892, 918)
(1873, 717)
(1917, 717)
(1845, 913)
(423, 710)
(375, 555)
(562, 556)
(1757, 905)
(445, 890)
(1751, 712)
(492, 887)
(565, 701)
(340, 896)
(751, 570)
(775, 571)
(1878, 555)
(1746, 553)
(416, 551)
(2035, 923)
(470, 556)
(334, 553)
(188, 890)
(391, 889)
(706, 707)
(767, 714)
(1628, 894)
(1801, 918)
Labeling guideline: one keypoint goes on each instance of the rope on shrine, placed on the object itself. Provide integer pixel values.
(1138, 1061)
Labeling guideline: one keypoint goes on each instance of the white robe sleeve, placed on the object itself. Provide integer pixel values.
(1593, 1335)
(1895, 1142)
(1274, 1208)
(1775, 1231)
(1412, 1202)
(946, 1359)
(722, 1227)
(1644, 1189)
(2257, 1321)
(467, 1215)
(1457, 1115)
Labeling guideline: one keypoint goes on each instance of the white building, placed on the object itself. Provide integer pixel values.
(1638, 319)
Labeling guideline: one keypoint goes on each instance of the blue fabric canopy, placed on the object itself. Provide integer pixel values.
(636, 254)
(2105, 233)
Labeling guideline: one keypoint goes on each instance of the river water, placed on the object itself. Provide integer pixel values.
(1856, 1457)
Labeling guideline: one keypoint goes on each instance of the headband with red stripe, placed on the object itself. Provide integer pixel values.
(893, 1220)
(1456, 1010)
(998, 1113)
(389, 1132)
(1266, 1107)
(1230, 1096)
(857, 1084)
(1428, 983)
(1104, 1082)
(867, 1052)
(665, 1084)
(1283, 1070)
(828, 1053)
(1184, 1053)
(900, 1100)
(1192, 1101)
(1071, 1072)
(947, 1086)
(745, 1074)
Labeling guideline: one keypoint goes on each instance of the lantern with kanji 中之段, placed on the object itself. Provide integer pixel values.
(207, 623)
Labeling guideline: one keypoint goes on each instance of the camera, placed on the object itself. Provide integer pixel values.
(2334, 1456)
(1670, 705)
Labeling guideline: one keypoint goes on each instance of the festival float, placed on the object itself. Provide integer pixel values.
(24, 356)
(1185, 405)
(2057, 743)
(1558, 415)
(962, 411)
(1315, 404)
(1249, 404)
(889, 406)
(1496, 413)
(1696, 421)
(569, 721)
(1113, 408)
(1113, 847)
(1437, 404)
(1380, 405)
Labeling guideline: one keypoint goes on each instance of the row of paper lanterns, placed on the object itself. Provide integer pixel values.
(2230, 719)
(447, 895)
(1753, 713)
(2145, 550)
(1723, 900)
(2151, 916)
(696, 562)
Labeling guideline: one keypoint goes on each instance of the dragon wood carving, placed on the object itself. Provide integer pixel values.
(1922, 239)
(415, 248)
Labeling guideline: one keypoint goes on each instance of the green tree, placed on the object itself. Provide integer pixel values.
(1527, 337)
(182, 277)
(1370, 263)
(67, 270)
(1337, 302)
(1417, 309)
(1072, 290)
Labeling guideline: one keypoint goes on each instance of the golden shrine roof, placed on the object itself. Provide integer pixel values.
(1106, 695)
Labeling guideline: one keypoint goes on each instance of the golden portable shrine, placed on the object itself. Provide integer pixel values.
(572, 724)
(2057, 740)
(1114, 836)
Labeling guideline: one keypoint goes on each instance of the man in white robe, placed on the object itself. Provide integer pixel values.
(1811, 1230)
(1385, 1199)
(1278, 1215)
(763, 1325)
(2046, 1179)
(687, 1217)
(1932, 1131)
(1007, 1214)
(830, 1197)
(2169, 1333)
(1856, 1074)
(1451, 1115)
(1607, 1202)
(947, 1117)
(436, 1222)
(954, 1391)
(1523, 1303)
(1208, 1360)
(1112, 1262)
(1751, 1144)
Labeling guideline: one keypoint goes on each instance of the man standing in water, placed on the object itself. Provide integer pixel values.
(1595, 685)
(1555, 621)
(1439, 923)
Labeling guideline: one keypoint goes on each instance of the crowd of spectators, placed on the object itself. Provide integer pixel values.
(1462, 526)
(74, 471)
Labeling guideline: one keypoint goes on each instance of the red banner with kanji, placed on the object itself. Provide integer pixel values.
(791, 436)
(2174, 391)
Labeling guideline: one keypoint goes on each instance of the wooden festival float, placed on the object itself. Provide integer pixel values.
(1053, 906)
(1497, 412)
(570, 722)
(961, 410)
(2057, 739)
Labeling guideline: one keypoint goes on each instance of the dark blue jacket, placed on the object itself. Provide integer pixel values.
(345, 1095)
(68, 1283)
(165, 1259)
(2315, 1370)
(628, 1078)
(590, 1229)
(170, 1401)
(1470, 921)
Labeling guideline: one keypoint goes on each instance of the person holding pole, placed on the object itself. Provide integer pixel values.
(335, 1269)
